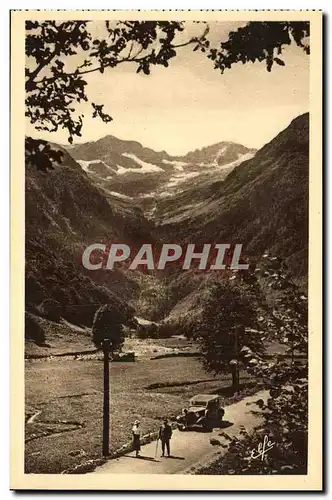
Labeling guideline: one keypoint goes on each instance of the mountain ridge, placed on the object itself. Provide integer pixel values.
(261, 202)
(128, 168)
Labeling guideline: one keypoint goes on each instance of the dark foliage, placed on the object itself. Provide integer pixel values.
(41, 154)
(33, 329)
(260, 41)
(285, 411)
(161, 330)
(228, 323)
(108, 323)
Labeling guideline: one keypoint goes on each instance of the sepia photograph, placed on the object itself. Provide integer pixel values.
(166, 250)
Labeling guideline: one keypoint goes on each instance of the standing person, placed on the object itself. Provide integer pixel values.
(136, 430)
(204, 420)
(185, 417)
(165, 434)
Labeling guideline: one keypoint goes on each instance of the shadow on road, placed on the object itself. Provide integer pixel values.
(176, 458)
(142, 457)
(225, 424)
(196, 429)
(230, 390)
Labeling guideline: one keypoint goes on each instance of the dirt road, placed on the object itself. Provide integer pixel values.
(189, 449)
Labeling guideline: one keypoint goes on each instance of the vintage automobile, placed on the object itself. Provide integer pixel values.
(204, 411)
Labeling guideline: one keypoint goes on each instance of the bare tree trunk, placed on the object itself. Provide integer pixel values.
(234, 376)
(106, 402)
(236, 370)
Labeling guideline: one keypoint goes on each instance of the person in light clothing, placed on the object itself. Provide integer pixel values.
(136, 431)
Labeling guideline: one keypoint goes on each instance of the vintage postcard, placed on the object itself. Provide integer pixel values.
(166, 250)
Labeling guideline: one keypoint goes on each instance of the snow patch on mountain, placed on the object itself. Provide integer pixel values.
(145, 167)
(181, 177)
(85, 164)
(235, 163)
(177, 182)
(120, 195)
(178, 165)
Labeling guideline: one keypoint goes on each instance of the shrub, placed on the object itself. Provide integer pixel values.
(166, 330)
(50, 309)
(108, 323)
(33, 329)
(149, 330)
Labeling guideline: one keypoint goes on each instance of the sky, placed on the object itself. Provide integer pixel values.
(190, 105)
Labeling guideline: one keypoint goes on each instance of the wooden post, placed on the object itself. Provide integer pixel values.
(237, 360)
(234, 376)
(292, 347)
(106, 402)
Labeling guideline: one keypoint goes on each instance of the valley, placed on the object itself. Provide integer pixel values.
(115, 191)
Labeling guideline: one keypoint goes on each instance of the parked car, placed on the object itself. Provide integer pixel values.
(204, 411)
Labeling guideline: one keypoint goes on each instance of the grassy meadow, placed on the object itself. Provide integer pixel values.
(64, 404)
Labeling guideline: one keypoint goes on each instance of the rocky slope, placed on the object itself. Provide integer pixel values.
(66, 212)
(262, 203)
(118, 191)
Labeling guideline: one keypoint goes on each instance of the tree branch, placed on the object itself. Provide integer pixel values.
(46, 61)
(134, 58)
(192, 40)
